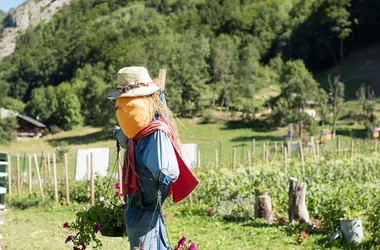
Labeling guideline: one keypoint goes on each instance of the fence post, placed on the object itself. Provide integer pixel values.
(45, 167)
(55, 178)
(285, 159)
(318, 155)
(67, 181)
(264, 150)
(9, 176)
(253, 147)
(39, 177)
(301, 152)
(338, 145)
(18, 176)
(30, 173)
(352, 148)
(249, 159)
(289, 148)
(48, 162)
(92, 181)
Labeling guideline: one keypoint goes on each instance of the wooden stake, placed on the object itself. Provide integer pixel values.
(318, 155)
(234, 159)
(9, 177)
(30, 173)
(55, 178)
(162, 77)
(88, 158)
(289, 148)
(67, 181)
(275, 147)
(191, 200)
(120, 175)
(92, 181)
(266, 159)
(216, 159)
(45, 175)
(18, 176)
(49, 169)
(39, 177)
(301, 152)
(352, 148)
(285, 159)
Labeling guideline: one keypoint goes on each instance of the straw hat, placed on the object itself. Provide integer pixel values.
(133, 81)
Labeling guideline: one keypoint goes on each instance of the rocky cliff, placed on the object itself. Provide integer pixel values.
(31, 13)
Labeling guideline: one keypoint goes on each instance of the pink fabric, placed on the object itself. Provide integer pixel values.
(186, 181)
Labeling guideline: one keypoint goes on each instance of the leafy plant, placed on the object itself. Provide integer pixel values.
(106, 216)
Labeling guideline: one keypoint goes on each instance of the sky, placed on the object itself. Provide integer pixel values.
(6, 5)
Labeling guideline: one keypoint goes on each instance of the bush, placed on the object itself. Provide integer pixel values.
(55, 129)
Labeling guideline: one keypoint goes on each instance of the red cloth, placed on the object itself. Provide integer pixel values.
(186, 181)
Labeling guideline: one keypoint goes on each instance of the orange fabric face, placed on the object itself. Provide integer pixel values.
(133, 113)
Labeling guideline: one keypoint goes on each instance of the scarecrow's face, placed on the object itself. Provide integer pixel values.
(134, 113)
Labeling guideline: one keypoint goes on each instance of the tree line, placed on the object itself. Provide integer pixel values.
(222, 50)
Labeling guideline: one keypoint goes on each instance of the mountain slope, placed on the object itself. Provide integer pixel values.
(360, 67)
(30, 14)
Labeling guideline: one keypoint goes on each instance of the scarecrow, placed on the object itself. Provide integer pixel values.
(153, 167)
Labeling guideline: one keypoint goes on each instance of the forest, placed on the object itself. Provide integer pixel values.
(217, 53)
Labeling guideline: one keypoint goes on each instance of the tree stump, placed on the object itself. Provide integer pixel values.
(297, 204)
(263, 206)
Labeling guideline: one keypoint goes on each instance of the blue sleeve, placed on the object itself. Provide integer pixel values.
(120, 136)
(158, 155)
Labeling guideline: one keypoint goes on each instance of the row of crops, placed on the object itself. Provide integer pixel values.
(338, 186)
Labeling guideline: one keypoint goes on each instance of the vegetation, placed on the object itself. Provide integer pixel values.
(217, 52)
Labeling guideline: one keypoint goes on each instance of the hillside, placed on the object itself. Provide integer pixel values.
(360, 67)
(29, 14)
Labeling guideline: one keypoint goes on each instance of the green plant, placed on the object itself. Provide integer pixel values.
(374, 222)
(106, 216)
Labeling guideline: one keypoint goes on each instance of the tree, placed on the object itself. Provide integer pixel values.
(7, 129)
(366, 98)
(339, 17)
(337, 98)
(68, 112)
(298, 88)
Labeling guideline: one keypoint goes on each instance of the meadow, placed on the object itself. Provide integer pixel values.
(220, 215)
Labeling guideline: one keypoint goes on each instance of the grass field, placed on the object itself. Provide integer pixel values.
(41, 227)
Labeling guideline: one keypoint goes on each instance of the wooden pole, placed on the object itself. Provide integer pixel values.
(45, 167)
(88, 158)
(9, 177)
(162, 77)
(285, 159)
(18, 176)
(92, 181)
(234, 159)
(30, 173)
(318, 155)
(55, 178)
(275, 147)
(39, 177)
(352, 148)
(48, 162)
(216, 159)
(301, 152)
(289, 148)
(67, 181)
(120, 175)
(266, 159)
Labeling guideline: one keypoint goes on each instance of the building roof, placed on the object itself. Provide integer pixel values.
(32, 121)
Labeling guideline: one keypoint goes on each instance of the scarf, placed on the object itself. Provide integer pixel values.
(186, 181)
